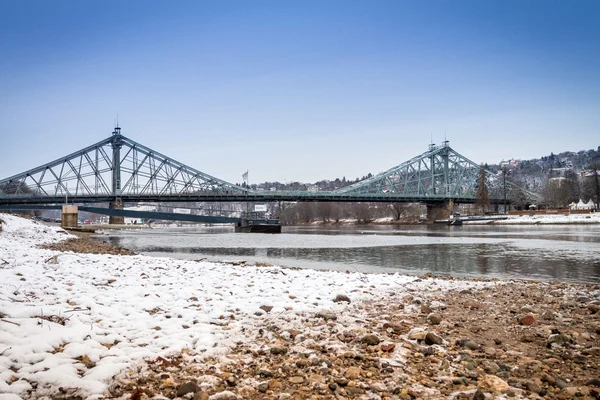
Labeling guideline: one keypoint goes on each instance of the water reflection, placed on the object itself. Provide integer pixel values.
(565, 253)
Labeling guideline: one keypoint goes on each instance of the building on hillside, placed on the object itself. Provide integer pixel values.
(558, 181)
(512, 163)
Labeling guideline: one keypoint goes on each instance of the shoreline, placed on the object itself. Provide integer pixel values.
(572, 219)
(136, 326)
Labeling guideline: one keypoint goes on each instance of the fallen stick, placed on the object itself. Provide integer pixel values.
(10, 322)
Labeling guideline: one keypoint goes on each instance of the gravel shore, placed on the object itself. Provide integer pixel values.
(144, 327)
(509, 340)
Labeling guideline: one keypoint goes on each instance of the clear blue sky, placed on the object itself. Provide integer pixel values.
(302, 90)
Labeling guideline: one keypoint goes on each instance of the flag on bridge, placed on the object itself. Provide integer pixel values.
(245, 176)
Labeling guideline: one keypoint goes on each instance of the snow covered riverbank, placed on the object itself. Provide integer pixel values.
(74, 321)
(559, 219)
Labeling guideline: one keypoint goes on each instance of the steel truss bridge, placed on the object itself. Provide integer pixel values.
(118, 170)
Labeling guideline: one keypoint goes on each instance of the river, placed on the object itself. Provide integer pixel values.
(563, 252)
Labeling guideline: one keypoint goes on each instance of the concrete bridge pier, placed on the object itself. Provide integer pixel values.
(116, 205)
(441, 210)
(69, 217)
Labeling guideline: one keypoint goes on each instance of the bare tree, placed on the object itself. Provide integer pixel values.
(362, 212)
(591, 183)
(482, 196)
(398, 209)
(556, 193)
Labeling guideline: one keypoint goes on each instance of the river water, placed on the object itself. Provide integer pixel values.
(564, 252)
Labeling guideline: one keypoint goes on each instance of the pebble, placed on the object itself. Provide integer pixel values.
(278, 350)
(371, 340)
(353, 373)
(557, 339)
(263, 387)
(326, 315)
(225, 395)
(468, 343)
(341, 297)
(593, 382)
(493, 384)
(434, 319)
(432, 338)
(188, 387)
(527, 320)
(297, 379)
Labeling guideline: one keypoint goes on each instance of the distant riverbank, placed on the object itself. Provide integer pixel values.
(593, 218)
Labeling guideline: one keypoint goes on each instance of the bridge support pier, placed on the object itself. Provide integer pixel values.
(116, 205)
(442, 210)
(69, 217)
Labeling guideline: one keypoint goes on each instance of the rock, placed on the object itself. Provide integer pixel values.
(527, 338)
(278, 350)
(478, 395)
(583, 299)
(387, 347)
(341, 297)
(534, 387)
(224, 395)
(265, 373)
(472, 305)
(561, 384)
(548, 379)
(490, 367)
(527, 319)
(557, 339)
(432, 338)
(494, 384)
(297, 379)
(201, 396)
(354, 390)
(326, 315)
(188, 387)
(417, 334)
(437, 305)
(341, 381)
(460, 381)
(572, 391)
(266, 309)
(468, 343)
(371, 340)
(332, 386)
(593, 382)
(434, 319)
(428, 351)
(274, 384)
(549, 315)
(353, 373)
(263, 387)
(591, 351)
(594, 308)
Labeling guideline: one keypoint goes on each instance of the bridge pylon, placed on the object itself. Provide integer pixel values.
(117, 203)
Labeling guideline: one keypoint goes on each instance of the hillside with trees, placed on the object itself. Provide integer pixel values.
(560, 178)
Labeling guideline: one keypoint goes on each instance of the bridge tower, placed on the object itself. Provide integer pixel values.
(444, 209)
(117, 203)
